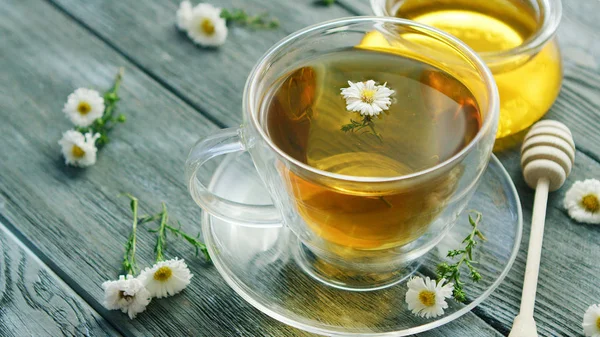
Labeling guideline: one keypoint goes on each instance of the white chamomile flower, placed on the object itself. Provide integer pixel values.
(426, 298)
(582, 201)
(206, 27)
(368, 98)
(184, 14)
(591, 321)
(127, 294)
(78, 149)
(166, 278)
(84, 106)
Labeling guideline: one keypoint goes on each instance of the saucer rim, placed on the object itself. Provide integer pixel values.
(222, 269)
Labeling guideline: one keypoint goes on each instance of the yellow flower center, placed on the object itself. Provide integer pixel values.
(427, 298)
(598, 323)
(84, 108)
(163, 274)
(591, 203)
(77, 151)
(368, 96)
(207, 27)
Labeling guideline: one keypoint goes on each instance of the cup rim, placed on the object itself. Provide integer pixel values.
(551, 11)
(489, 122)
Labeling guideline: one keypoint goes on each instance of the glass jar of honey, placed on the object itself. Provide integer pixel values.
(516, 40)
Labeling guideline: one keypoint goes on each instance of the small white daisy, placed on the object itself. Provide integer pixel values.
(368, 98)
(426, 298)
(184, 14)
(591, 321)
(166, 278)
(127, 294)
(78, 149)
(206, 27)
(84, 106)
(582, 201)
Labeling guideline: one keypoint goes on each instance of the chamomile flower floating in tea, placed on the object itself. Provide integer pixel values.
(367, 98)
(426, 297)
(591, 321)
(205, 25)
(127, 294)
(79, 149)
(166, 278)
(582, 201)
(84, 106)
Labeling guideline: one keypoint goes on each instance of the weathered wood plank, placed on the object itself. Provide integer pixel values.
(568, 266)
(77, 221)
(211, 80)
(35, 302)
(73, 216)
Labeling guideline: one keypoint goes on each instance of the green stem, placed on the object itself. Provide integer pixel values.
(386, 202)
(192, 240)
(112, 96)
(161, 235)
(129, 264)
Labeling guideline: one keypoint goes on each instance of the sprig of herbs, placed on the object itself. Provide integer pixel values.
(129, 264)
(366, 122)
(199, 245)
(240, 17)
(451, 272)
(161, 234)
(105, 123)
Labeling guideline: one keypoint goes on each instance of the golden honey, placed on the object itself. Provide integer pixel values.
(528, 83)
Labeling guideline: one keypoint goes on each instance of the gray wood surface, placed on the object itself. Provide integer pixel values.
(36, 302)
(172, 91)
(73, 217)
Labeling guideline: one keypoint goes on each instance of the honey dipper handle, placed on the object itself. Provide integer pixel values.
(524, 325)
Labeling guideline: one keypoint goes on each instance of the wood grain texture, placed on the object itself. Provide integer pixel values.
(78, 224)
(49, 56)
(73, 217)
(212, 80)
(35, 302)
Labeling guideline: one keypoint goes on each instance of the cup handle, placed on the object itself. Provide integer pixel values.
(219, 143)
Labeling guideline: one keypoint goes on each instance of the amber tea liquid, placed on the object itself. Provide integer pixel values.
(528, 89)
(423, 127)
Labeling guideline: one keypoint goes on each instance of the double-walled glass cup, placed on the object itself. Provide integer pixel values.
(371, 244)
(516, 39)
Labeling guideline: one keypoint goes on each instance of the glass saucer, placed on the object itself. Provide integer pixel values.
(260, 263)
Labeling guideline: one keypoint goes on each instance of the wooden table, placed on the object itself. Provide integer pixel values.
(62, 229)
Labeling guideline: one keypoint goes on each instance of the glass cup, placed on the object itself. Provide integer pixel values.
(349, 237)
(516, 40)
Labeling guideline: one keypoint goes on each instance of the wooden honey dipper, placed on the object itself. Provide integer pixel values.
(547, 156)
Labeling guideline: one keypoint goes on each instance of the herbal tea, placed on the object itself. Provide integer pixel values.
(429, 116)
(528, 88)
